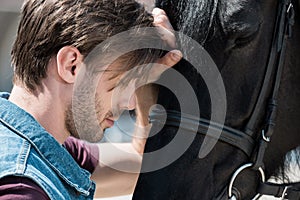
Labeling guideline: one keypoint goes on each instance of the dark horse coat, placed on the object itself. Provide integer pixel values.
(238, 36)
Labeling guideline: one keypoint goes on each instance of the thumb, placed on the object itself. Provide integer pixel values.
(171, 58)
(164, 63)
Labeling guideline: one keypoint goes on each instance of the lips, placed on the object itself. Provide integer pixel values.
(109, 122)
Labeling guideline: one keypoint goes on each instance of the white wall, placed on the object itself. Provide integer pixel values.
(9, 11)
(8, 28)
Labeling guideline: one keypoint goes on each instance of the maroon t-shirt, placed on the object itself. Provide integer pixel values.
(22, 188)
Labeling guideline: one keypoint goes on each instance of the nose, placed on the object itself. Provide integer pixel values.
(124, 98)
(128, 102)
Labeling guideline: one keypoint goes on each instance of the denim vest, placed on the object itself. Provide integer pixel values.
(28, 150)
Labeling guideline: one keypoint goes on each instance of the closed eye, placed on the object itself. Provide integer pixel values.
(113, 80)
(247, 35)
(245, 40)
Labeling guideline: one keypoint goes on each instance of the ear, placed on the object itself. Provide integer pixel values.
(68, 63)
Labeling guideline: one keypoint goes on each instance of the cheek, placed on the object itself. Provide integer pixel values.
(108, 99)
(104, 100)
(102, 94)
(109, 93)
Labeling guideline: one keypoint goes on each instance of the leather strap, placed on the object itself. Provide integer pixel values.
(284, 191)
(284, 22)
(229, 135)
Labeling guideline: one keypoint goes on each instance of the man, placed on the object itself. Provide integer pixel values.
(45, 107)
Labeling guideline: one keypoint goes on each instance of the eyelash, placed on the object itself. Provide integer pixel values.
(110, 89)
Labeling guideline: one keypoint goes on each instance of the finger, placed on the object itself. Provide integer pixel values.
(164, 63)
(167, 36)
(164, 27)
(171, 58)
(158, 11)
(163, 21)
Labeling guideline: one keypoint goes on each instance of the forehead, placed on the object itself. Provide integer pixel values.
(121, 78)
(127, 67)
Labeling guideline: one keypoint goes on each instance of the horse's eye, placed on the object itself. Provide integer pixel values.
(245, 39)
(240, 35)
(247, 35)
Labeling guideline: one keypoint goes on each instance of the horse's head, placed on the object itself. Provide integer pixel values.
(238, 36)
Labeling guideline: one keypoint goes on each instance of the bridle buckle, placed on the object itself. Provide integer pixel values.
(237, 172)
(290, 7)
(265, 138)
(284, 193)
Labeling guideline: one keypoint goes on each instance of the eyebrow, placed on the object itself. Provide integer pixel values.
(133, 73)
(115, 74)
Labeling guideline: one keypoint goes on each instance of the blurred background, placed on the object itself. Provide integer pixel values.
(9, 15)
(9, 18)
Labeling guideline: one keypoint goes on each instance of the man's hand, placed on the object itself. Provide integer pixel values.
(147, 94)
(164, 27)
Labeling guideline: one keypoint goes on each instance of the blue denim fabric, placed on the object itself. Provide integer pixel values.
(28, 150)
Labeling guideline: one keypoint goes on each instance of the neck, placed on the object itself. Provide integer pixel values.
(45, 106)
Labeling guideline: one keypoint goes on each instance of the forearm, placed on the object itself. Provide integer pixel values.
(146, 98)
(140, 136)
(118, 169)
(120, 163)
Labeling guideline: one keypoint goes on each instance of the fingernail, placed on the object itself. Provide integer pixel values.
(176, 54)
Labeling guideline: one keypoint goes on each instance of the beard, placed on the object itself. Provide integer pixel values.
(82, 119)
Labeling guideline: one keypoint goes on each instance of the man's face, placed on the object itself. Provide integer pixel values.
(112, 98)
(90, 112)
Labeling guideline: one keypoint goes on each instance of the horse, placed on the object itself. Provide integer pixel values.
(255, 48)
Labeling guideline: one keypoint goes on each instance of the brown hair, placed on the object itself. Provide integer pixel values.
(48, 25)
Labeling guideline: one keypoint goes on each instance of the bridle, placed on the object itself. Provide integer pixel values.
(245, 140)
